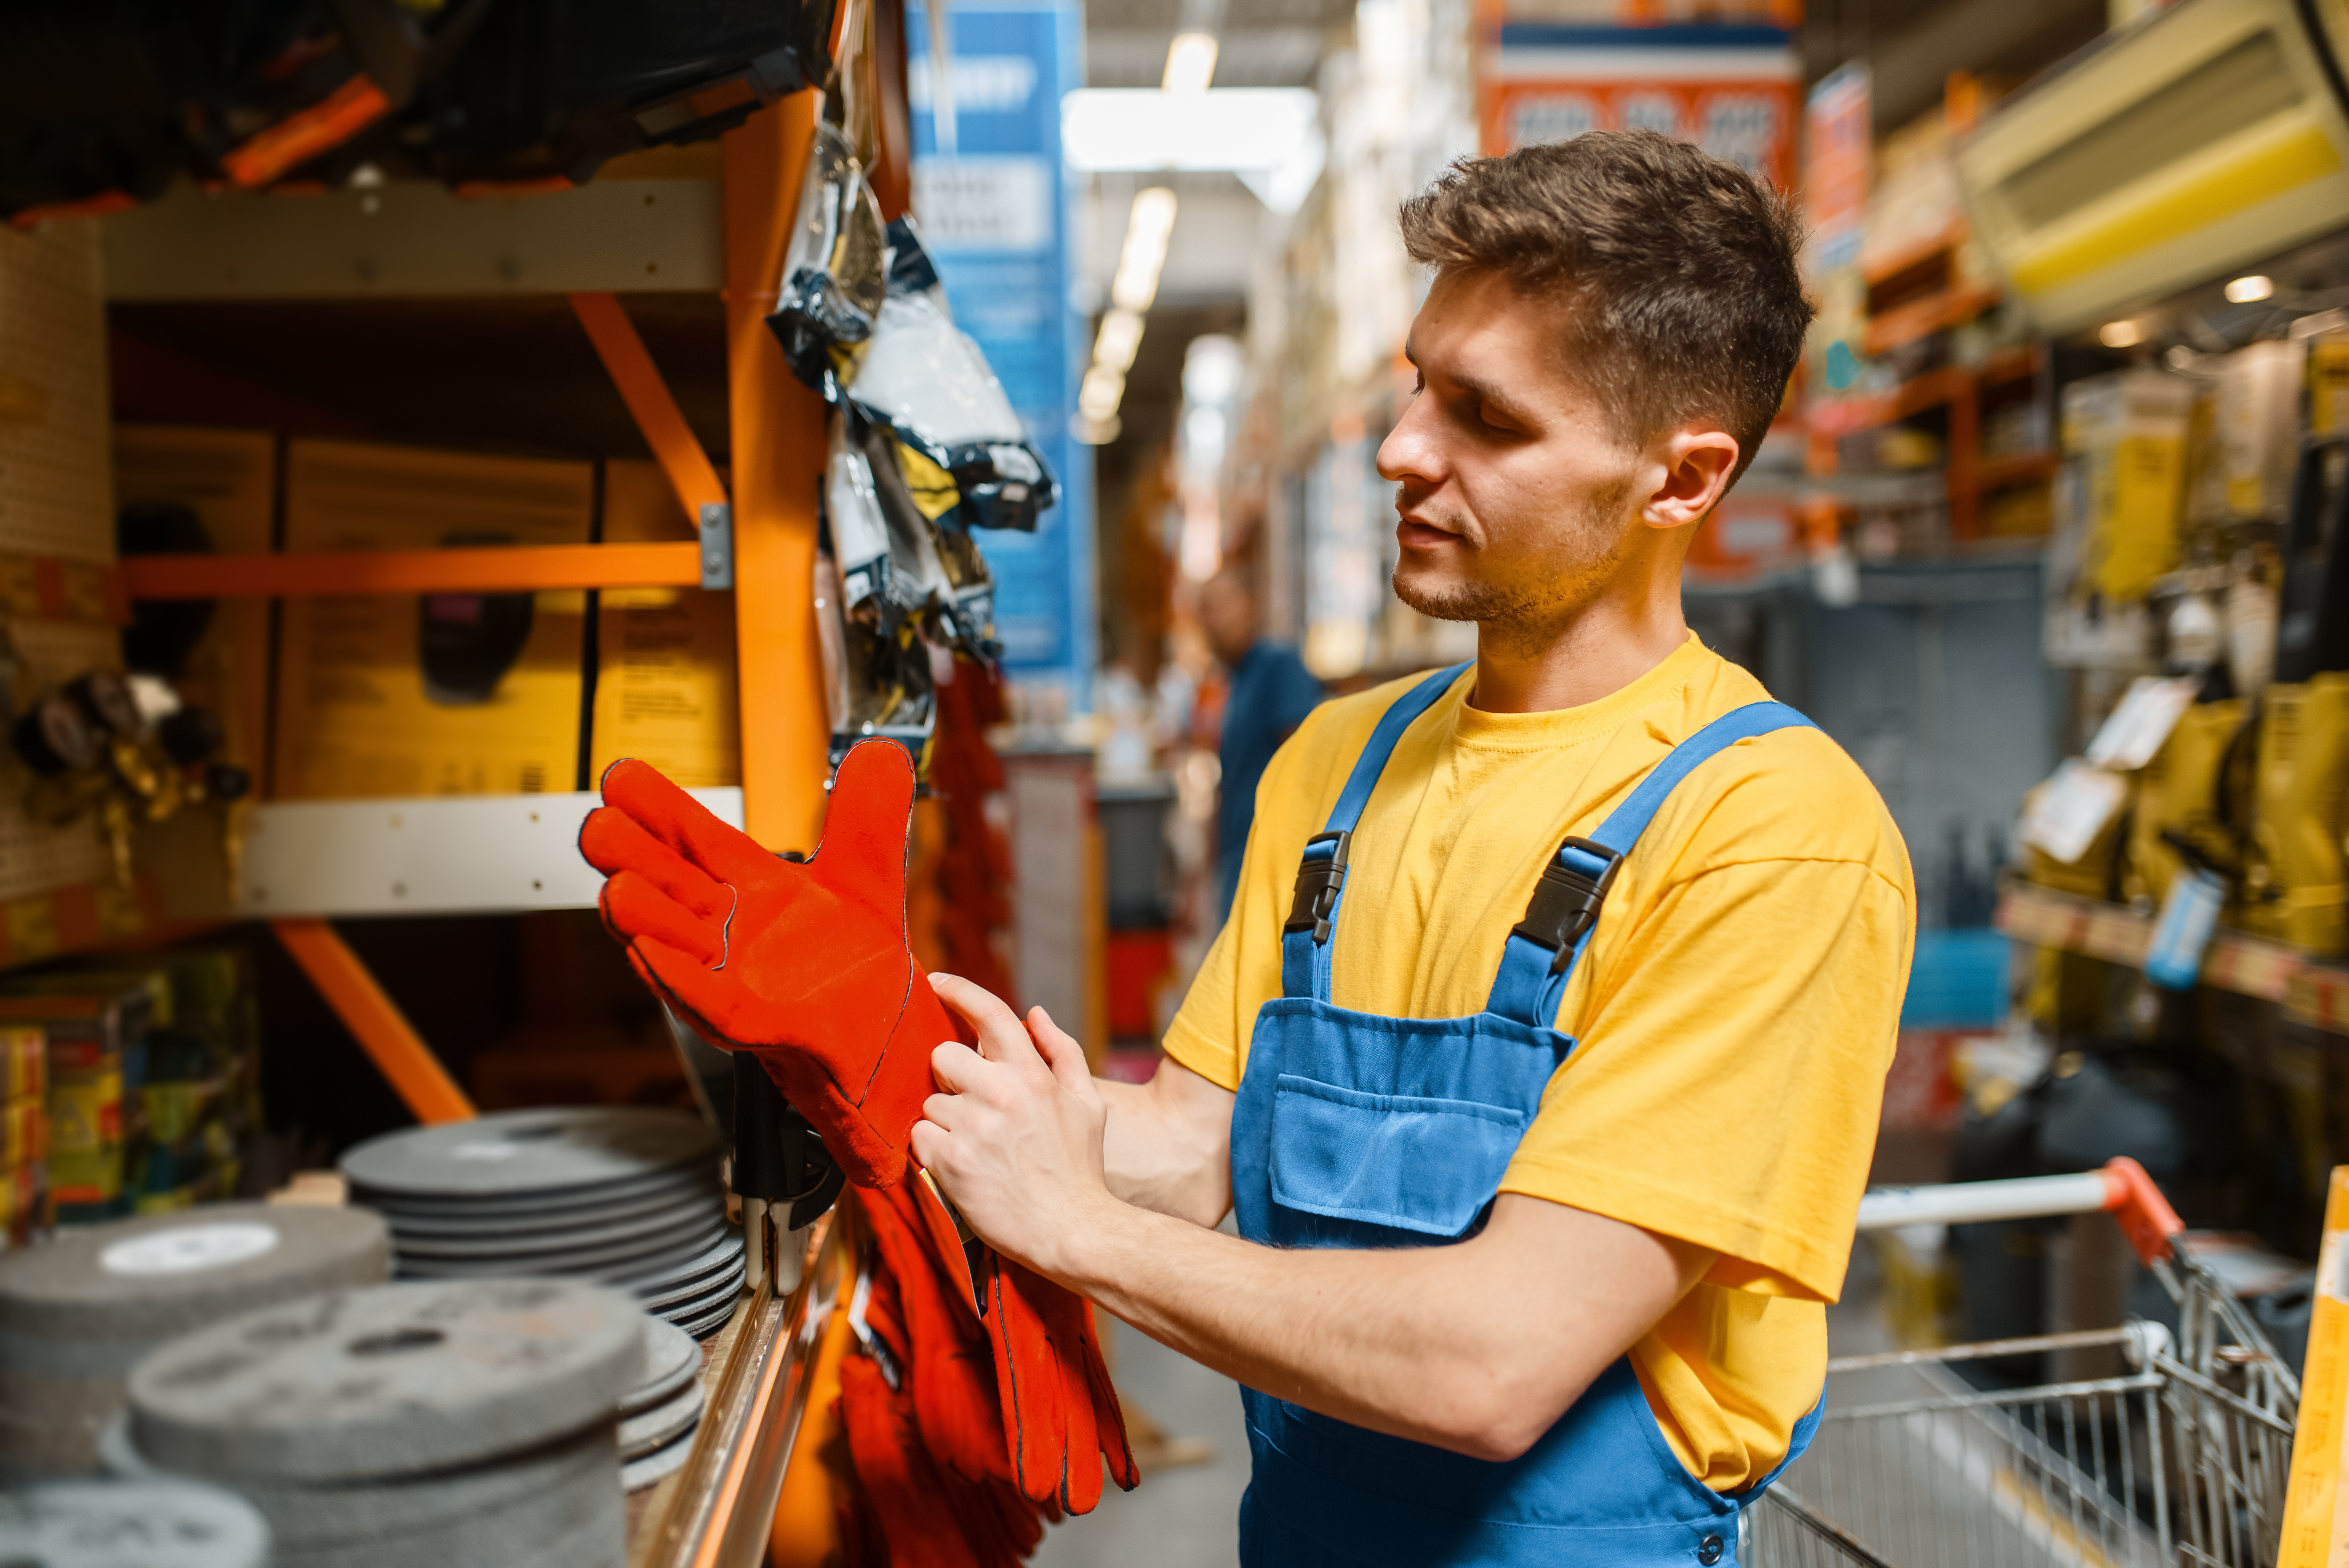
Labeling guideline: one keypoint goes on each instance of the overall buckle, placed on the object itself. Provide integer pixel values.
(1565, 901)
(1319, 882)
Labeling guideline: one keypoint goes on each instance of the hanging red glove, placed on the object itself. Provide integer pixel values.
(929, 1517)
(803, 964)
(1058, 1409)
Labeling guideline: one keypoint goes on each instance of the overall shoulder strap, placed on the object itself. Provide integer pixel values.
(1544, 947)
(1321, 872)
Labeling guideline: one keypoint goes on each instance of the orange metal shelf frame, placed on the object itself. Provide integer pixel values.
(503, 569)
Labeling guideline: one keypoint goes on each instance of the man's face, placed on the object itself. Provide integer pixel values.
(1227, 615)
(1515, 499)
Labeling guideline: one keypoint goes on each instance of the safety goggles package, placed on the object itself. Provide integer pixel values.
(924, 377)
(836, 270)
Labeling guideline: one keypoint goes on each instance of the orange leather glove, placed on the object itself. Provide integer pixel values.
(1055, 1415)
(804, 964)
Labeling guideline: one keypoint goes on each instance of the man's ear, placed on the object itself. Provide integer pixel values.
(1697, 463)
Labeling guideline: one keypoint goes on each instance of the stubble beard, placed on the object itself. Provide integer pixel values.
(1584, 555)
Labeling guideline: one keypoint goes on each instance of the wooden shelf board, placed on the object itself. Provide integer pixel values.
(1892, 264)
(516, 569)
(2313, 993)
(2014, 467)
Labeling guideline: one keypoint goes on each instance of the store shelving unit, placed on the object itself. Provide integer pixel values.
(2310, 990)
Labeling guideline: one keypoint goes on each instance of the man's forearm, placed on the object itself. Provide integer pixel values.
(1162, 1151)
(1477, 1348)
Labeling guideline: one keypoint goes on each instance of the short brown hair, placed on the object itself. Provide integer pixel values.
(1680, 268)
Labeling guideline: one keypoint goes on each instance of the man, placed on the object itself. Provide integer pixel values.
(1271, 691)
(1500, 1296)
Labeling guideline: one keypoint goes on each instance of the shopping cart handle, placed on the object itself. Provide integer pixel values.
(2122, 1189)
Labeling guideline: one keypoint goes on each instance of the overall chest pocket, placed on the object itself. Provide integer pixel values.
(1404, 1162)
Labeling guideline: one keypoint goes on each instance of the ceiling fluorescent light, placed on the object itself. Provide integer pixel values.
(1222, 130)
(2250, 290)
(1147, 230)
(1120, 337)
(1190, 63)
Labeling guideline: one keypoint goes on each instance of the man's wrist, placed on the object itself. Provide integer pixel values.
(1088, 1257)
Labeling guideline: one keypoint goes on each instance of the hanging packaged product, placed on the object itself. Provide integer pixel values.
(2328, 384)
(2258, 426)
(924, 377)
(877, 577)
(917, 499)
(2127, 430)
(835, 269)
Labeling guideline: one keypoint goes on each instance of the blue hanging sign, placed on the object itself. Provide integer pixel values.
(993, 201)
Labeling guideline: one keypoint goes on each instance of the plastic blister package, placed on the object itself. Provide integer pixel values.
(923, 377)
(835, 269)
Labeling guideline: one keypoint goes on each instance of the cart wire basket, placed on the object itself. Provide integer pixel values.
(2155, 1448)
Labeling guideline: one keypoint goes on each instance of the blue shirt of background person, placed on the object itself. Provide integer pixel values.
(1271, 692)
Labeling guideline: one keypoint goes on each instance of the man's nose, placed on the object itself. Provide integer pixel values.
(1407, 453)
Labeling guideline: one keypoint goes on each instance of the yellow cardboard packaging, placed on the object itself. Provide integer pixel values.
(442, 693)
(665, 656)
(228, 478)
(2129, 428)
(23, 1061)
(24, 1133)
(2316, 1525)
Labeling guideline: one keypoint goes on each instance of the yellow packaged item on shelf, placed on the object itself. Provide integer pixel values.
(2177, 793)
(2328, 384)
(439, 694)
(665, 670)
(2130, 428)
(24, 1133)
(24, 1205)
(85, 1136)
(24, 1060)
(2295, 880)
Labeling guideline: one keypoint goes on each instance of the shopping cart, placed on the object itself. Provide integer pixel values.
(2174, 1452)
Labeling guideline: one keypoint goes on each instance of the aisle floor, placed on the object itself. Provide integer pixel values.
(1187, 1518)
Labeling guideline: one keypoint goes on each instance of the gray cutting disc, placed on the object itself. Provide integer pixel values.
(638, 1473)
(393, 1380)
(667, 1302)
(516, 1152)
(723, 1254)
(642, 1433)
(672, 1360)
(587, 1504)
(710, 1323)
(565, 1205)
(303, 1517)
(719, 1296)
(698, 1225)
(601, 1541)
(162, 1275)
(585, 1263)
(478, 1221)
(130, 1524)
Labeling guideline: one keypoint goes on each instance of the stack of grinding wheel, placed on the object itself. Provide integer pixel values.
(460, 1424)
(659, 1415)
(79, 1313)
(622, 1196)
(136, 1524)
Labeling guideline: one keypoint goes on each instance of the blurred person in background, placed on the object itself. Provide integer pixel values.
(1271, 692)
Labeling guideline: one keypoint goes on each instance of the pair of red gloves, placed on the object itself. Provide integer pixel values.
(805, 964)
(926, 1407)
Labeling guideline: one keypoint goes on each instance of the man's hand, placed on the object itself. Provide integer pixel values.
(1015, 1141)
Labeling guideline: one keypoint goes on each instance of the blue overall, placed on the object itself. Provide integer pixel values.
(1356, 1130)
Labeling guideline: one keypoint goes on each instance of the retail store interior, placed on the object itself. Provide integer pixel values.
(410, 410)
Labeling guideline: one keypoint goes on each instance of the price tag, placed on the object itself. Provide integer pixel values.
(2189, 918)
(2135, 731)
(2063, 816)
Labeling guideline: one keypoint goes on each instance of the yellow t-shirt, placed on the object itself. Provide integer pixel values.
(1736, 1006)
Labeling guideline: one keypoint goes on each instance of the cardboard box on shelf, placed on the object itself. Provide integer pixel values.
(24, 1205)
(24, 1133)
(2129, 427)
(442, 693)
(664, 691)
(96, 1045)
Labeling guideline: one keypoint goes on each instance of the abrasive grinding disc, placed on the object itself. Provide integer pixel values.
(331, 1513)
(641, 1433)
(600, 1265)
(681, 1239)
(398, 1379)
(710, 1323)
(639, 1473)
(511, 1153)
(162, 1275)
(563, 1204)
(477, 1221)
(130, 1524)
(668, 1298)
(77, 1313)
(723, 1254)
(721, 1296)
(672, 1359)
(588, 1502)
